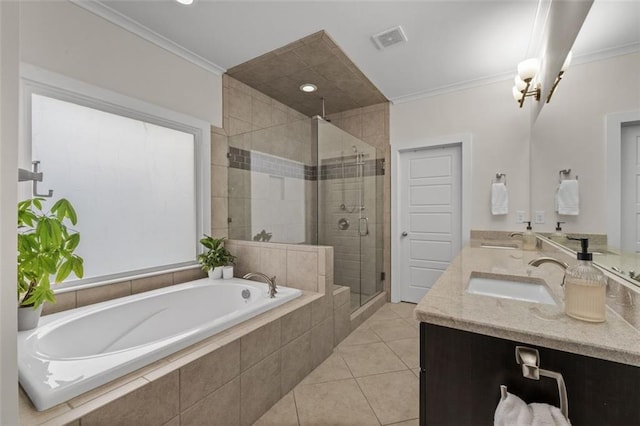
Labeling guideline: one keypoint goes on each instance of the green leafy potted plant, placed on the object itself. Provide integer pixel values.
(45, 248)
(215, 257)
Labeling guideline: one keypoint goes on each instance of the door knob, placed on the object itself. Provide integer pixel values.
(404, 234)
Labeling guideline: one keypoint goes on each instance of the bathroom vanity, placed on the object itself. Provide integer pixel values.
(468, 342)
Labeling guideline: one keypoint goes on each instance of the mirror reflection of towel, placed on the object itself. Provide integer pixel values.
(499, 198)
(568, 197)
(513, 411)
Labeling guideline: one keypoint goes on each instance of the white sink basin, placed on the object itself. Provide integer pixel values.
(528, 289)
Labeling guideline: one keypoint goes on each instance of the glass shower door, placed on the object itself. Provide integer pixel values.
(349, 210)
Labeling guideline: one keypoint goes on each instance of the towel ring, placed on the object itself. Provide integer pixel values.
(565, 174)
(529, 359)
(499, 177)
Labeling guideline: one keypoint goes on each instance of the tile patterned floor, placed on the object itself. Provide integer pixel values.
(370, 379)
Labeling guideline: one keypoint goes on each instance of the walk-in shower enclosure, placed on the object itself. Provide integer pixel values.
(308, 182)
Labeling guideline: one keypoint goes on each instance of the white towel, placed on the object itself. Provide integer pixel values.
(568, 197)
(513, 411)
(499, 199)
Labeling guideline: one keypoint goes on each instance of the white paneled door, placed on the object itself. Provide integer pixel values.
(630, 206)
(430, 217)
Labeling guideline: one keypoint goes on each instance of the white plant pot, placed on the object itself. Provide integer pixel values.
(215, 273)
(227, 272)
(28, 317)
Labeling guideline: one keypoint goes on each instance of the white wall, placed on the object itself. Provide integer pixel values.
(500, 134)
(9, 13)
(570, 133)
(62, 37)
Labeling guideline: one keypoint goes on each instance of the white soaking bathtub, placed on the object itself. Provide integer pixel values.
(78, 350)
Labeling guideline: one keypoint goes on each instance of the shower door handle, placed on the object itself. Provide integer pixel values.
(364, 231)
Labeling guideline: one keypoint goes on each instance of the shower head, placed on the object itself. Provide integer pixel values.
(324, 115)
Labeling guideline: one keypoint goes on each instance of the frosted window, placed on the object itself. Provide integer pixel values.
(133, 185)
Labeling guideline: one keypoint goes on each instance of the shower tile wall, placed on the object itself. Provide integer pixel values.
(357, 260)
(258, 124)
(371, 125)
(219, 185)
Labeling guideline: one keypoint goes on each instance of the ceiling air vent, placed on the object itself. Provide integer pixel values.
(389, 37)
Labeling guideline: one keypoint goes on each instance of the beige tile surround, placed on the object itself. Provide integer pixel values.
(241, 107)
(250, 366)
(78, 298)
(253, 121)
(263, 358)
(371, 125)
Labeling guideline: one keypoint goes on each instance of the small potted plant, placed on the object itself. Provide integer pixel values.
(45, 248)
(215, 257)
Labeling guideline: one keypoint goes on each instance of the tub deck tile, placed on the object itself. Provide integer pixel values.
(115, 385)
(208, 373)
(259, 388)
(222, 407)
(155, 403)
(109, 398)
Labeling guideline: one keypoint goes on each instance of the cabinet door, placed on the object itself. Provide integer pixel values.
(461, 374)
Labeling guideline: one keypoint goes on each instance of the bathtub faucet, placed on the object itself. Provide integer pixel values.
(271, 282)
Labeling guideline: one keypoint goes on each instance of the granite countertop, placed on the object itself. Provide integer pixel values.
(448, 304)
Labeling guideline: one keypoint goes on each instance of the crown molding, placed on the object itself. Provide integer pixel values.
(599, 55)
(100, 9)
(443, 90)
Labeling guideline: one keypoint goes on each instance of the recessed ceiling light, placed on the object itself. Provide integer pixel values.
(185, 2)
(308, 87)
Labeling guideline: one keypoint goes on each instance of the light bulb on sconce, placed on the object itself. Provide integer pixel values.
(527, 72)
(520, 84)
(528, 69)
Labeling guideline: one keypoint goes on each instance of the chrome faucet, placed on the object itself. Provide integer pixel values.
(539, 261)
(271, 282)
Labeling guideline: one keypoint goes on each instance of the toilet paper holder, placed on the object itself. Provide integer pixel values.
(529, 360)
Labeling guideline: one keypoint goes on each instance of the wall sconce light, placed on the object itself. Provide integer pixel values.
(525, 85)
(527, 72)
(565, 65)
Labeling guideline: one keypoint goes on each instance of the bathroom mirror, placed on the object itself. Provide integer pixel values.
(590, 129)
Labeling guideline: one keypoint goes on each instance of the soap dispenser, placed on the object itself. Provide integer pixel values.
(529, 241)
(585, 288)
(558, 236)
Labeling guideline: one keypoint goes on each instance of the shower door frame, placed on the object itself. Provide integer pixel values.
(363, 225)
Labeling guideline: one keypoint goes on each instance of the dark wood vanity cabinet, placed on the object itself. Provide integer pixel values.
(461, 373)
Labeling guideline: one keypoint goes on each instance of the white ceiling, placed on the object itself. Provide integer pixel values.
(452, 44)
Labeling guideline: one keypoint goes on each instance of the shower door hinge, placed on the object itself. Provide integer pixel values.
(382, 276)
